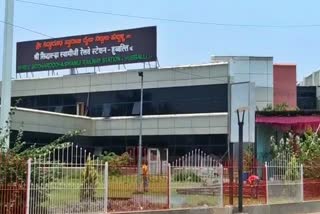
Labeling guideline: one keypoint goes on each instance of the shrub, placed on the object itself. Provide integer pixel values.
(248, 158)
(293, 170)
(89, 185)
(115, 162)
(311, 168)
(186, 175)
(304, 149)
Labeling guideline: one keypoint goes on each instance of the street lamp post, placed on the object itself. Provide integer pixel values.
(140, 131)
(240, 162)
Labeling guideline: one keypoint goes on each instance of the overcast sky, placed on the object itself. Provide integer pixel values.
(183, 43)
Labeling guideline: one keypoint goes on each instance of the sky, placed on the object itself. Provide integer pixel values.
(184, 43)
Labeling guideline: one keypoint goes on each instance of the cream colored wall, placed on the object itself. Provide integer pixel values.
(153, 78)
(50, 122)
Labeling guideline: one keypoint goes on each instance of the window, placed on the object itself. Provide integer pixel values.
(150, 108)
(58, 109)
(154, 155)
(106, 109)
(55, 100)
(164, 154)
(136, 108)
(306, 97)
(69, 99)
(173, 100)
(42, 100)
(118, 109)
(70, 109)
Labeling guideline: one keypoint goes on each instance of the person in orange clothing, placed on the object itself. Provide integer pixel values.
(145, 175)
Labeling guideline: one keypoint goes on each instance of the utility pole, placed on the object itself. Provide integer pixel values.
(140, 132)
(230, 146)
(7, 70)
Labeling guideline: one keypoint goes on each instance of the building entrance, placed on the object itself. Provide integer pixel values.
(157, 159)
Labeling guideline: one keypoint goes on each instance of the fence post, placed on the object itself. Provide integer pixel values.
(267, 191)
(106, 174)
(221, 185)
(169, 186)
(28, 186)
(301, 186)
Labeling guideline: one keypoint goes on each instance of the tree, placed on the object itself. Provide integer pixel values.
(13, 173)
(303, 149)
(89, 185)
(248, 158)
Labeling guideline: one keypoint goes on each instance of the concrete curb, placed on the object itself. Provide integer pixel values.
(290, 208)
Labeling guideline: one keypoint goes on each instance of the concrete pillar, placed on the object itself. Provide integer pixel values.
(7, 67)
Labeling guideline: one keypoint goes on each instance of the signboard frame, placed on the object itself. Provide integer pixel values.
(90, 50)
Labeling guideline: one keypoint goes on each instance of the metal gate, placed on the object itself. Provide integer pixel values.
(284, 180)
(196, 180)
(68, 180)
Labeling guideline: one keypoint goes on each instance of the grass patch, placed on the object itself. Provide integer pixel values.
(67, 191)
(126, 186)
(191, 200)
(182, 200)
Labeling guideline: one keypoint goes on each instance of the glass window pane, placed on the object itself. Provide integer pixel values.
(42, 100)
(106, 109)
(68, 99)
(95, 111)
(118, 109)
(58, 109)
(136, 108)
(184, 100)
(70, 109)
(55, 100)
(166, 108)
(150, 108)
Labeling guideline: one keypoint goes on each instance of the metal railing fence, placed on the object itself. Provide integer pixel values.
(284, 180)
(196, 180)
(13, 184)
(68, 180)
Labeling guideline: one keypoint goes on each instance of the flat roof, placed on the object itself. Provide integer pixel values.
(125, 70)
(284, 64)
(287, 113)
